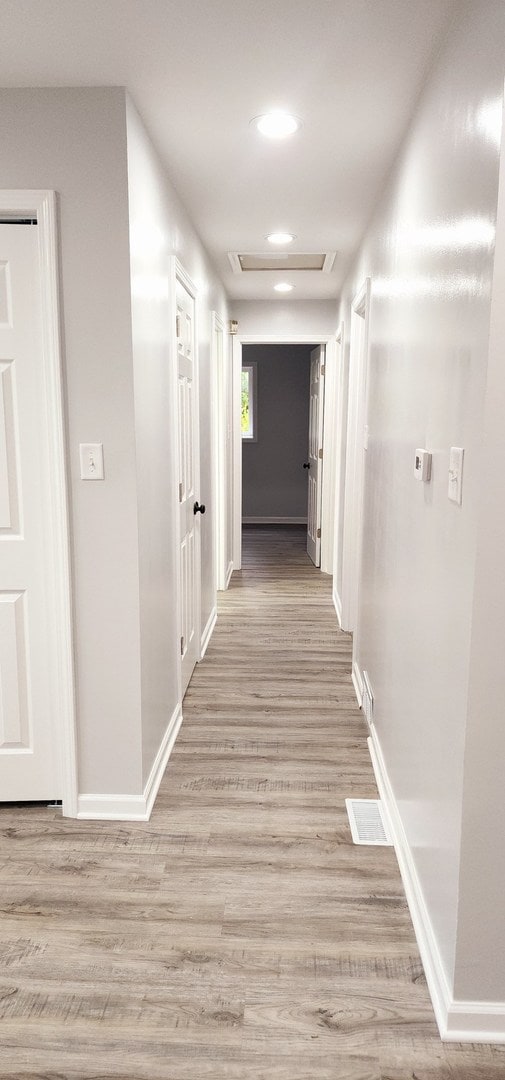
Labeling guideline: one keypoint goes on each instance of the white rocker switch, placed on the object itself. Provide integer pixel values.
(91, 458)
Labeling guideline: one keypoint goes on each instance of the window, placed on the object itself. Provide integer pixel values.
(249, 396)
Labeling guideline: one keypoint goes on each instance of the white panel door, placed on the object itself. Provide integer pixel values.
(315, 463)
(189, 521)
(28, 753)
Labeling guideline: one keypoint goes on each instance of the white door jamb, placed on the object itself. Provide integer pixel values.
(328, 433)
(42, 205)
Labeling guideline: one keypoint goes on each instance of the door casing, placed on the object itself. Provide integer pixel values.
(179, 274)
(42, 205)
(328, 434)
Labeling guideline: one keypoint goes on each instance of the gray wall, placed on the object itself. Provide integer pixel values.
(274, 482)
(429, 255)
(120, 221)
(159, 229)
(74, 141)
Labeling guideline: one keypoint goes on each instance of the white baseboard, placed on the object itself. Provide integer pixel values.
(357, 680)
(458, 1021)
(274, 521)
(207, 633)
(229, 572)
(133, 807)
(337, 604)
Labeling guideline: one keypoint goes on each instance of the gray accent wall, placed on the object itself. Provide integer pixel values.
(274, 482)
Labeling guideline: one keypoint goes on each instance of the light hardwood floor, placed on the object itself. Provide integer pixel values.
(239, 934)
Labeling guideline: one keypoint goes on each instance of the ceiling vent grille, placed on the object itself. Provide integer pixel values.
(368, 825)
(287, 261)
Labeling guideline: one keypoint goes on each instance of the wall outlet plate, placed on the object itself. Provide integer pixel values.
(422, 465)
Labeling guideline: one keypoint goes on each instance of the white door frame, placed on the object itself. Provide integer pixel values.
(341, 400)
(355, 464)
(42, 205)
(328, 432)
(218, 423)
(178, 273)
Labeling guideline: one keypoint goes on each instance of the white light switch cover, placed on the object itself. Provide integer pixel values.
(91, 458)
(455, 490)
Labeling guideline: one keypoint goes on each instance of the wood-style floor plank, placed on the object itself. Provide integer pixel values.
(239, 934)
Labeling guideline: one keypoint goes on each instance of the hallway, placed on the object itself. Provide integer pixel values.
(239, 933)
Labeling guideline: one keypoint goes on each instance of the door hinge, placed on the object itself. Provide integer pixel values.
(323, 369)
(182, 646)
(318, 534)
(180, 492)
(178, 325)
(321, 453)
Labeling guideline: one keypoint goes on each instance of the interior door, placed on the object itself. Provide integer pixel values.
(28, 753)
(315, 457)
(189, 515)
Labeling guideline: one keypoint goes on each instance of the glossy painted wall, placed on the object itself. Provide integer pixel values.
(429, 253)
(160, 229)
(284, 317)
(74, 141)
(120, 221)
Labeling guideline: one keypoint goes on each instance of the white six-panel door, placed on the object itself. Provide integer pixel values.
(28, 753)
(189, 522)
(315, 452)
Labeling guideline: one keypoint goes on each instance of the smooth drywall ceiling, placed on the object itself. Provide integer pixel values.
(274, 482)
(429, 254)
(74, 141)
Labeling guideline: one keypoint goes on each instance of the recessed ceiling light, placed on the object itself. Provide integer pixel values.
(281, 238)
(276, 124)
(283, 287)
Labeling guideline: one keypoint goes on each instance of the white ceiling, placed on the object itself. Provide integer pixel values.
(199, 70)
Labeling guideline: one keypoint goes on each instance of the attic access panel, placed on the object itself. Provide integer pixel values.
(322, 261)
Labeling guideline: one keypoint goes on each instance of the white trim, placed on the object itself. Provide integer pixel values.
(458, 1021)
(111, 808)
(229, 572)
(340, 441)
(218, 429)
(274, 521)
(207, 633)
(161, 760)
(133, 807)
(256, 339)
(355, 465)
(337, 604)
(357, 682)
(329, 455)
(236, 508)
(42, 204)
(179, 274)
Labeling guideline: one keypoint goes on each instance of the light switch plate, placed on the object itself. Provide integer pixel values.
(455, 489)
(91, 459)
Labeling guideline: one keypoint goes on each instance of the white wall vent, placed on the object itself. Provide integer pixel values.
(367, 821)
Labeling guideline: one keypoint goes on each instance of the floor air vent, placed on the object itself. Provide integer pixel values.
(367, 822)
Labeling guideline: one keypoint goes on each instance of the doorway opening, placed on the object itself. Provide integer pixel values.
(263, 493)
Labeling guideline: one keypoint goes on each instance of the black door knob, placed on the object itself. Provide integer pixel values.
(197, 509)
(306, 464)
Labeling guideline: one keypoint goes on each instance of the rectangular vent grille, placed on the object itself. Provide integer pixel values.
(242, 262)
(367, 822)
